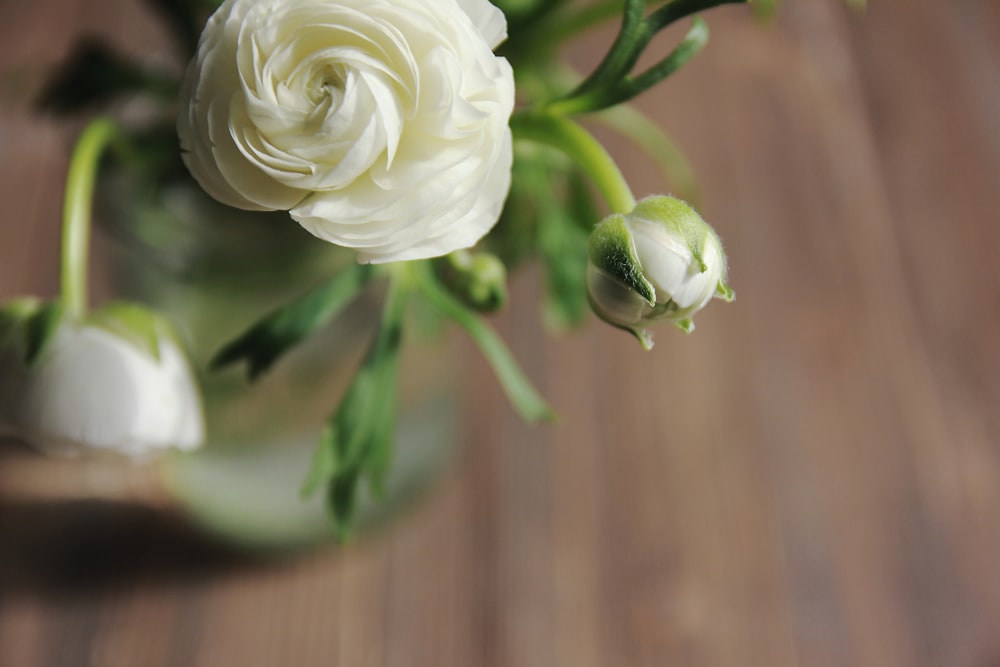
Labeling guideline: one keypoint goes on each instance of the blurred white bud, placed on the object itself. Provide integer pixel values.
(659, 262)
(118, 381)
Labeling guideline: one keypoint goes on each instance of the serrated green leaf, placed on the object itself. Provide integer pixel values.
(276, 333)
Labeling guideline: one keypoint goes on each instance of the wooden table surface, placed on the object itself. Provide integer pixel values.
(812, 478)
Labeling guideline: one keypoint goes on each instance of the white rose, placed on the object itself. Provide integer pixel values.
(99, 385)
(661, 261)
(381, 125)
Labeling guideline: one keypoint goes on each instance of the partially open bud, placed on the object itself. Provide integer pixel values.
(659, 262)
(116, 381)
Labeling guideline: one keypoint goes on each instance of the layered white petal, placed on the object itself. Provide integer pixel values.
(668, 263)
(382, 125)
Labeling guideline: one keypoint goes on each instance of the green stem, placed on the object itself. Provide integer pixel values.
(579, 145)
(623, 52)
(609, 84)
(675, 11)
(628, 87)
(77, 212)
(532, 41)
(522, 395)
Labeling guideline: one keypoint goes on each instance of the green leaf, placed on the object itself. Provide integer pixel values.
(279, 331)
(378, 456)
(522, 395)
(612, 83)
(324, 463)
(358, 437)
(342, 499)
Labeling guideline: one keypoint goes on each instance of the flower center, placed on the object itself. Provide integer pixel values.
(328, 88)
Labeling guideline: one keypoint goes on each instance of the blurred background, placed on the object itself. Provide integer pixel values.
(812, 478)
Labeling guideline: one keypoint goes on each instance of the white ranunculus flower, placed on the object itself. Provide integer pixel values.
(103, 384)
(661, 261)
(381, 125)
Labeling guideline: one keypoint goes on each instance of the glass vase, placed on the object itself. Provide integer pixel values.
(213, 271)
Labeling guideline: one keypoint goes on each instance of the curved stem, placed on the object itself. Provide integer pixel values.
(693, 42)
(522, 395)
(578, 144)
(677, 10)
(610, 83)
(77, 212)
(623, 53)
(533, 40)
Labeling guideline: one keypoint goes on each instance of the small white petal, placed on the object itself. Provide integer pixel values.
(488, 19)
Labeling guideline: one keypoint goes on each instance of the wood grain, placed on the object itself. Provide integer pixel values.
(812, 478)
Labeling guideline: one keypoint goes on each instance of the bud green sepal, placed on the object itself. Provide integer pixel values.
(613, 252)
(14, 313)
(724, 291)
(140, 327)
(28, 324)
(40, 329)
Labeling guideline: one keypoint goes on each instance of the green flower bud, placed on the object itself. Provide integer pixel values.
(479, 279)
(659, 262)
